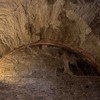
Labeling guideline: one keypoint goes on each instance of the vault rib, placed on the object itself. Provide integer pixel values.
(79, 51)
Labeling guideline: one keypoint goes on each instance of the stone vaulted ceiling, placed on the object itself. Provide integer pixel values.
(49, 49)
(75, 23)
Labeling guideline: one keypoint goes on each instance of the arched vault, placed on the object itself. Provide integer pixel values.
(40, 22)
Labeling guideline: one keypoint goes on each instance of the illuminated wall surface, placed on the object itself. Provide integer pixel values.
(49, 49)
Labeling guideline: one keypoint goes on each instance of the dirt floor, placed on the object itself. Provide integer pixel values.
(60, 87)
(32, 75)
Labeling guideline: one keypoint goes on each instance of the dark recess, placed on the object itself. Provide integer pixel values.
(51, 1)
(84, 68)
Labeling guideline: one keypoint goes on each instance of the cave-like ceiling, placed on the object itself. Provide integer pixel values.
(49, 49)
(74, 23)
